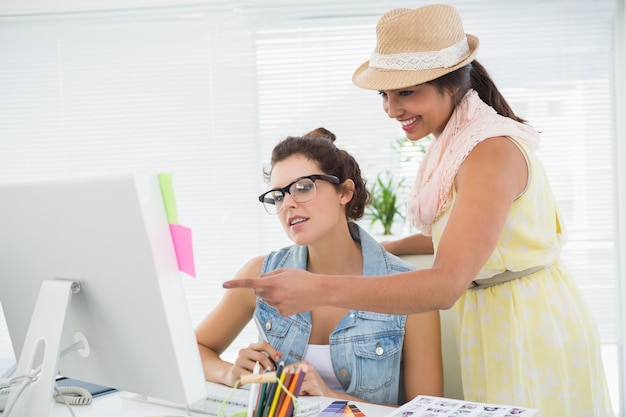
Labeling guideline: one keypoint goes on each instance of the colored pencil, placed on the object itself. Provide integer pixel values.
(283, 394)
(261, 399)
(299, 378)
(277, 392)
(284, 407)
(271, 390)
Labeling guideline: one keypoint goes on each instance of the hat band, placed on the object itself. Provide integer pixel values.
(418, 61)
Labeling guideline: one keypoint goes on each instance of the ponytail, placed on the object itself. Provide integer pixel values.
(489, 93)
(475, 76)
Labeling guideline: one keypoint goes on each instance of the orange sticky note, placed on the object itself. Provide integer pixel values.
(181, 237)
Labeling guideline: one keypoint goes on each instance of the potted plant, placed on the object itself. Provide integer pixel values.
(389, 195)
(385, 208)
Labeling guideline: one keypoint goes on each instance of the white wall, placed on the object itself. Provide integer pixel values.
(13, 7)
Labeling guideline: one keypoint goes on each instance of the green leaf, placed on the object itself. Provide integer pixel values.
(384, 209)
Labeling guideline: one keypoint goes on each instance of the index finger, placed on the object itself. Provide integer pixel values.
(239, 283)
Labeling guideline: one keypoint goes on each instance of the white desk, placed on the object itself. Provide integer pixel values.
(123, 405)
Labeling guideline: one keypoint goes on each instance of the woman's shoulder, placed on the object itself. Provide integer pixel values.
(252, 268)
(496, 160)
(398, 264)
(293, 256)
(375, 257)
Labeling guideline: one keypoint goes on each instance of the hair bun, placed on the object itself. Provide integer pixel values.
(320, 133)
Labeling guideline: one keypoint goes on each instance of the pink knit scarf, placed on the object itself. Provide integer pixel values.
(471, 122)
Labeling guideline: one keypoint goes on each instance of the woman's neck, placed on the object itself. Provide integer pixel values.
(336, 254)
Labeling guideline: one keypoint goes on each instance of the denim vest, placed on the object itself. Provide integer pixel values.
(365, 347)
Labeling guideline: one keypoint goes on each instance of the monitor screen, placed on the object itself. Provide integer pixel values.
(110, 237)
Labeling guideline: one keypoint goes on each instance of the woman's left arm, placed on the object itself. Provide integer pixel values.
(422, 357)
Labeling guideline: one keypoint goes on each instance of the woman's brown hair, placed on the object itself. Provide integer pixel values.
(475, 76)
(318, 146)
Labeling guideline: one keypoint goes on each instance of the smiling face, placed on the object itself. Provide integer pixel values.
(421, 109)
(307, 223)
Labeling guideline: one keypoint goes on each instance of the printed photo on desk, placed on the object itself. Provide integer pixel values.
(426, 406)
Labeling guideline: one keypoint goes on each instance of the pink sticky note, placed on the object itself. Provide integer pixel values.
(181, 236)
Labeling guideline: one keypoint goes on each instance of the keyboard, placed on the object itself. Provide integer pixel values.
(238, 401)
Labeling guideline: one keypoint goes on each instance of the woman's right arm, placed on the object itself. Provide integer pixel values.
(417, 244)
(221, 327)
(488, 182)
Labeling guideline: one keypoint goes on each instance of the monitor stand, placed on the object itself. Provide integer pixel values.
(36, 372)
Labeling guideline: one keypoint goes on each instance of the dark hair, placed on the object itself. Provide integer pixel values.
(474, 75)
(318, 145)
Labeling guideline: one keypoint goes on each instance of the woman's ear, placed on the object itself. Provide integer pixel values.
(346, 191)
(454, 91)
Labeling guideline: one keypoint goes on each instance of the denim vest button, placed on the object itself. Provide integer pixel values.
(344, 372)
(268, 325)
(379, 350)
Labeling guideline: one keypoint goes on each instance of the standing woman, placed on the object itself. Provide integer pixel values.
(482, 201)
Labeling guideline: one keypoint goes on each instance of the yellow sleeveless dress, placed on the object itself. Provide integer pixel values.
(532, 341)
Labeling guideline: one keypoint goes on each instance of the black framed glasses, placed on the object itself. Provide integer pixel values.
(302, 190)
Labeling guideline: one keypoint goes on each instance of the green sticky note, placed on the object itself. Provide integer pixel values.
(167, 191)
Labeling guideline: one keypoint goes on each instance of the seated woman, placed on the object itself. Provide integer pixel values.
(317, 194)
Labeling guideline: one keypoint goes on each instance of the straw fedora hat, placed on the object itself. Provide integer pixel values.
(414, 46)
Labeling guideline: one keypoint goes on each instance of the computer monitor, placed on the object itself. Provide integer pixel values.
(92, 261)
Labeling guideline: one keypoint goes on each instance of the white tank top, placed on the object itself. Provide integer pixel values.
(319, 357)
